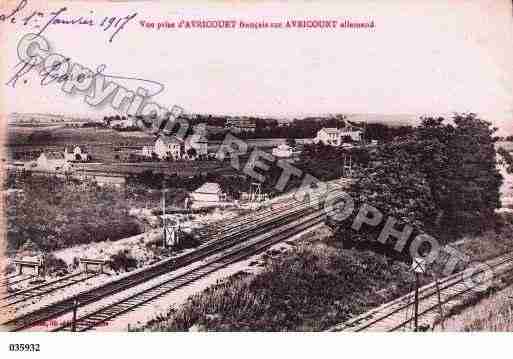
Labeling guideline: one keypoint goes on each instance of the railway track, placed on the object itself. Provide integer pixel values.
(5, 279)
(233, 236)
(120, 307)
(397, 314)
(218, 229)
(8, 282)
(225, 226)
(44, 289)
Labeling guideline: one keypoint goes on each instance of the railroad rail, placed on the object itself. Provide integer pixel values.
(5, 279)
(258, 225)
(23, 278)
(43, 289)
(397, 314)
(221, 227)
(109, 312)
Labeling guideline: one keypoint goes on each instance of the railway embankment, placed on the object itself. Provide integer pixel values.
(311, 286)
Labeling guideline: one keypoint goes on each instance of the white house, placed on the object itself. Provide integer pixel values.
(124, 123)
(168, 146)
(77, 154)
(197, 141)
(147, 151)
(178, 148)
(335, 136)
(283, 151)
(207, 195)
(50, 161)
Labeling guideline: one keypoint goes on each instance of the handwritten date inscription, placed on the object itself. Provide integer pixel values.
(40, 20)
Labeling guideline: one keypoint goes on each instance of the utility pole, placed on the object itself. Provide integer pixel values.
(164, 223)
(419, 266)
(440, 308)
(74, 320)
(416, 318)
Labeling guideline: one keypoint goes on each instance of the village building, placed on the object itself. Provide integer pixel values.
(110, 179)
(199, 143)
(283, 151)
(50, 161)
(147, 151)
(336, 136)
(76, 154)
(207, 195)
(130, 122)
(168, 147)
(178, 149)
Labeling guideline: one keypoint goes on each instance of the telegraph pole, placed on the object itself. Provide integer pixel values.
(416, 318)
(419, 266)
(440, 308)
(164, 227)
(74, 320)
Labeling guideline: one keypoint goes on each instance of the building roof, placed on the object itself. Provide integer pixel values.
(170, 140)
(209, 187)
(284, 147)
(333, 130)
(71, 148)
(54, 155)
(330, 130)
(196, 138)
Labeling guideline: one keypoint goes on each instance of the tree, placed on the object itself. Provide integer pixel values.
(459, 162)
(395, 185)
(507, 159)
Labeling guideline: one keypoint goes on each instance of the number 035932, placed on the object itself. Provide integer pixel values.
(23, 347)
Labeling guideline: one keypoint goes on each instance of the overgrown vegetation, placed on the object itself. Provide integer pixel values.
(122, 260)
(54, 214)
(310, 288)
(507, 158)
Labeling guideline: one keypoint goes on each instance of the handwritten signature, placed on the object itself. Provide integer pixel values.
(51, 74)
(38, 19)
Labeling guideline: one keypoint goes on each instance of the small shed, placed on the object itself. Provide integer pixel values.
(207, 195)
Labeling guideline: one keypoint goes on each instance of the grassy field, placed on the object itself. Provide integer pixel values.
(490, 314)
(99, 142)
(64, 135)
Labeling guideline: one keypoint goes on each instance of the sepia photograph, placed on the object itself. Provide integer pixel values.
(255, 166)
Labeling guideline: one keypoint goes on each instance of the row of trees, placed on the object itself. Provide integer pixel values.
(296, 128)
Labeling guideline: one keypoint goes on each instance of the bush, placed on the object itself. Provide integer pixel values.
(122, 261)
(55, 265)
(54, 214)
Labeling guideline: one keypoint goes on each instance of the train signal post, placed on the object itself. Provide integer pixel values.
(418, 267)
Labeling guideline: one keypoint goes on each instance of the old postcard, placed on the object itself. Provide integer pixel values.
(256, 166)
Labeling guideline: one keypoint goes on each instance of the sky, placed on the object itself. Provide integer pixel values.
(422, 57)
